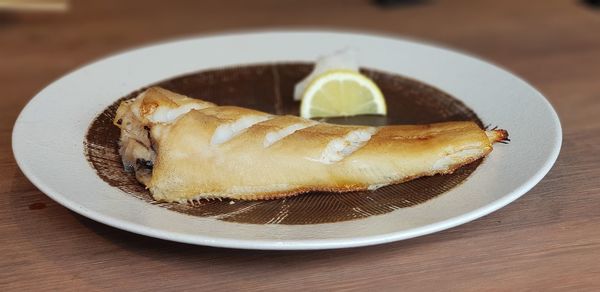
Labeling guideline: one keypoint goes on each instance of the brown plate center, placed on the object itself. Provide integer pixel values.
(269, 88)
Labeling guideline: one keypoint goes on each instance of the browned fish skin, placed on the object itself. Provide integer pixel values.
(210, 151)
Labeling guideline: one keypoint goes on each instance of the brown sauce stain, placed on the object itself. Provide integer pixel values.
(269, 87)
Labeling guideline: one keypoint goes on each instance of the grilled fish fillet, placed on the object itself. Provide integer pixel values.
(185, 149)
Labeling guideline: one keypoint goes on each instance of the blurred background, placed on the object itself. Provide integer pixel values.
(554, 44)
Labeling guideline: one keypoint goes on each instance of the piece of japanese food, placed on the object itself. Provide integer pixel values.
(184, 149)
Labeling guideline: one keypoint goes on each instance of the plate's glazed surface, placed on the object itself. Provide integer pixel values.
(269, 88)
(48, 136)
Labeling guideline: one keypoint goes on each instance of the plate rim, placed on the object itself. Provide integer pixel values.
(200, 239)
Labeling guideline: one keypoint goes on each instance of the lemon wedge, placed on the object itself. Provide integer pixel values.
(339, 93)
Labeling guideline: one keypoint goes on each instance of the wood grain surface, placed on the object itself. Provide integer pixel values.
(547, 240)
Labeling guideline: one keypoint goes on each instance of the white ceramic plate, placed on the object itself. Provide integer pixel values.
(48, 137)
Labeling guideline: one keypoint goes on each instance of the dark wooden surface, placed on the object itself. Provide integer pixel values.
(548, 239)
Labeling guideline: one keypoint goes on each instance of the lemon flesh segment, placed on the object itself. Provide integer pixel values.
(342, 93)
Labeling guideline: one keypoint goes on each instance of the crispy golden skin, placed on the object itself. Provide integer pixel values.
(211, 152)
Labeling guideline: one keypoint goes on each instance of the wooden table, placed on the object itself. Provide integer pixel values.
(550, 238)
